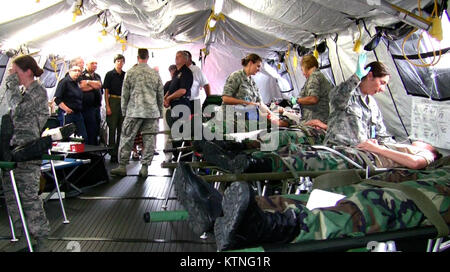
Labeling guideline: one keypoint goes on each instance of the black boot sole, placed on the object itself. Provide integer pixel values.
(216, 155)
(234, 204)
(200, 219)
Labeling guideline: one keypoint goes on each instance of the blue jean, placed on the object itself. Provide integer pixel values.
(91, 118)
(77, 119)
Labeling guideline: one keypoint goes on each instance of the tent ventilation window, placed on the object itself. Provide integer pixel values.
(427, 81)
(52, 73)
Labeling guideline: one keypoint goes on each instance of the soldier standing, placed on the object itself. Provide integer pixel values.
(113, 91)
(314, 94)
(29, 113)
(142, 105)
(240, 89)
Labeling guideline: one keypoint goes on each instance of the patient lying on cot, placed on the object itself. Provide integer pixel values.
(239, 219)
(303, 156)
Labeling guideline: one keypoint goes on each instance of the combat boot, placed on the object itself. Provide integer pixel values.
(6, 133)
(119, 171)
(244, 224)
(42, 244)
(232, 146)
(258, 165)
(32, 150)
(143, 173)
(202, 202)
(213, 153)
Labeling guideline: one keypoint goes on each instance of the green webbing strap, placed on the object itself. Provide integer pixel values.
(290, 167)
(7, 165)
(424, 204)
(337, 179)
(308, 136)
(367, 160)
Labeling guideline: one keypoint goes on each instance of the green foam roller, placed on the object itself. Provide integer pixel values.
(164, 216)
(7, 165)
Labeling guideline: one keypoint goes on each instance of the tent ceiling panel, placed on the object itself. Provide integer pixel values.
(188, 27)
(184, 20)
(12, 10)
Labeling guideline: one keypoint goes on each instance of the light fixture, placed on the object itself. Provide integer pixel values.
(373, 42)
(218, 6)
(402, 14)
(212, 23)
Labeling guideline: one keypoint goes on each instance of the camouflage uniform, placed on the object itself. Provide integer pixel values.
(240, 86)
(29, 113)
(295, 150)
(353, 120)
(367, 209)
(142, 105)
(295, 136)
(316, 85)
(306, 158)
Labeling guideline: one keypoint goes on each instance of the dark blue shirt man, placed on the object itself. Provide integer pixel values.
(91, 85)
(69, 98)
(180, 86)
(179, 94)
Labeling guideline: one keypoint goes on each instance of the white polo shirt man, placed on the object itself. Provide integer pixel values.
(199, 81)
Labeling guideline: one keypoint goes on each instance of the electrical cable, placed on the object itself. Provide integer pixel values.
(434, 14)
(337, 54)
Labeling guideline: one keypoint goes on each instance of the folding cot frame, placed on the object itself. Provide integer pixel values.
(435, 243)
(10, 166)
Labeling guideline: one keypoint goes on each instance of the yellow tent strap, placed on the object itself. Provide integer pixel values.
(357, 47)
(55, 68)
(215, 17)
(315, 52)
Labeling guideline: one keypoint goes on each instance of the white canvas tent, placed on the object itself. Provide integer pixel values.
(275, 30)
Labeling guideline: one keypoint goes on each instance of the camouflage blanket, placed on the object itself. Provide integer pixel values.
(306, 158)
(367, 209)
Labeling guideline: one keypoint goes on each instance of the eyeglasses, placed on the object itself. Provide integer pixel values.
(75, 70)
